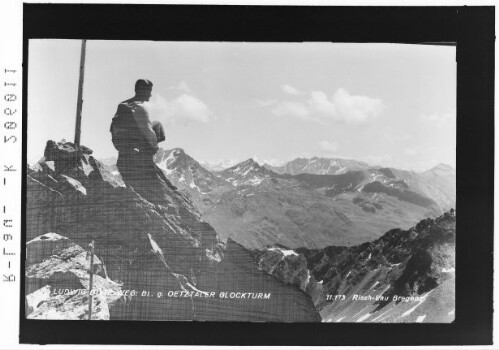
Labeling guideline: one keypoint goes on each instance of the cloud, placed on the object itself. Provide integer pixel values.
(342, 107)
(295, 109)
(288, 89)
(443, 120)
(182, 86)
(411, 151)
(383, 159)
(356, 108)
(185, 108)
(327, 146)
(265, 102)
(320, 104)
(395, 137)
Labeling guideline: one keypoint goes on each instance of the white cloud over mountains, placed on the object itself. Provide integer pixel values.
(327, 146)
(411, 151)
(288, 89)
(265, 102)
(378, 159)
(184, 109)
(440, 120)
(295, 109)
(182, 86)
(341, 107)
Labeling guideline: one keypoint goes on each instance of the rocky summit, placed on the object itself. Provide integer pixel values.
(404, 276)
(152, 261)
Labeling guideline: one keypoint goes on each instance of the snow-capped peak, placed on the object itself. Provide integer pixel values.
(442, 170)
(219, 165)
(248, 172)
(320, 166)
(170, 159)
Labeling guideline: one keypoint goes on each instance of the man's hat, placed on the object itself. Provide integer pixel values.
(143, 84)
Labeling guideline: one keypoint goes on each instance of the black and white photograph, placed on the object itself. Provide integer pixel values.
(233, 181)
(248, 175)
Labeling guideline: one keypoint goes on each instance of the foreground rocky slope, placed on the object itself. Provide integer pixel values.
(145, 249)
(404, 276)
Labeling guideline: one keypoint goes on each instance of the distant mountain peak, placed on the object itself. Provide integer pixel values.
(186, 172)
(175, 159)
(178, 150)
(245, 165)
(441, 168)
(247, 172)
(250, 162)
(319, 166)
(219, 165)
(174, 152)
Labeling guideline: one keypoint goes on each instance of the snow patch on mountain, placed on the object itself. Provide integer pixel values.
(286, 252)
(318, 166)
(420, 319)
(219, 165)
(248, 172)
(411, 310)
(363, 318)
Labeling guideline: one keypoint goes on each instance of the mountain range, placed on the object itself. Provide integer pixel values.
(319, 166)
(258, 207)
(364, 245)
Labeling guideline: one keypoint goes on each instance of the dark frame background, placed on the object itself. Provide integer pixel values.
(471, 29)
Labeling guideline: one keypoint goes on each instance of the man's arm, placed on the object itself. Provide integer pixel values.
(145, 128)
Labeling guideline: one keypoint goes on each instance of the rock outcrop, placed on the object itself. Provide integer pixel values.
(168, 263)
(404, 276)
(58, 281)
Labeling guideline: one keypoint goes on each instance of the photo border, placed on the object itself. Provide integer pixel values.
(471, 29)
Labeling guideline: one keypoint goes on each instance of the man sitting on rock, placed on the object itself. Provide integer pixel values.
(136, 139)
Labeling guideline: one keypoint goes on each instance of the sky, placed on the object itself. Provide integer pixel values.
(387, 104)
